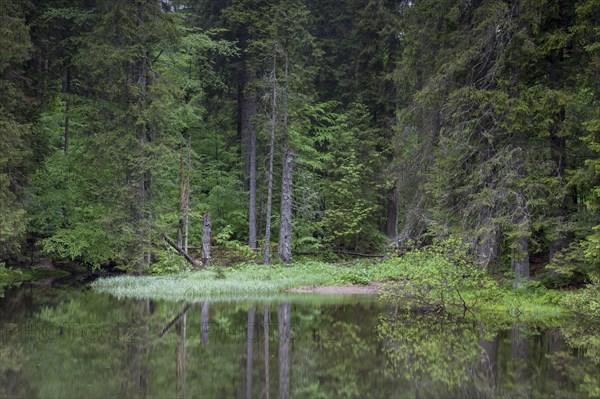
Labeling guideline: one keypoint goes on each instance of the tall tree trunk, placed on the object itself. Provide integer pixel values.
(260, 214)
(558, 151)
(391, 229)
(520, 260)
(245, 113)
(181, 196)
(206, 225)
(267, 356)
(284, 330)
(267, 249)
(285, 229)
(249, 351)
(252, 187)
(520, 250)
(486, 244)
(67, 92)
(142, 175)
(244, 102)
(187, 196)
(522, 223)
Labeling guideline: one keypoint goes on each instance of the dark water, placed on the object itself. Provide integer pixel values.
(73, 343)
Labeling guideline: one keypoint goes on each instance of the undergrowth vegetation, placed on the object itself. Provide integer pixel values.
(438, 278)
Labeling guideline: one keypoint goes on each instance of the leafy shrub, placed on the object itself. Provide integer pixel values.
(168, 262)
(586, 301)
(437, 278)
(361, 277)
(569, 267)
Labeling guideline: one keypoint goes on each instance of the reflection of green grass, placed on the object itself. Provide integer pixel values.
(520, 303)
(10, 276)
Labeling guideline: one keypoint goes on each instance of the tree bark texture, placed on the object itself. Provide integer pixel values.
(391, 229)
(520, 252)
(187, 196)
(141, 173)
(486, 244)
(181, 197)
(252, 187)
(267, 249)
(67, 92)
(558, 151)
(285, 228)
(206, 225)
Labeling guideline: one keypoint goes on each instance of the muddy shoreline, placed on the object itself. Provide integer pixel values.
(350, 289)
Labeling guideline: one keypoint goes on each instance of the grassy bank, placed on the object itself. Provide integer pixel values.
(239, 282)
(257, 281)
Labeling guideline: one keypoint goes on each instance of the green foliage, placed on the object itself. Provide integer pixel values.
(585, 302)
(437, 278)
(477, 120)
(350, 196)
(361, 277)
(168, 262)
(15, 152)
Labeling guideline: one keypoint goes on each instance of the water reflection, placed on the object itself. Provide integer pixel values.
(284, 329)
(249, 354)
(73, 344)
(266, 353)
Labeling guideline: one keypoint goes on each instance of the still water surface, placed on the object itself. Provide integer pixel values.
(74, 343)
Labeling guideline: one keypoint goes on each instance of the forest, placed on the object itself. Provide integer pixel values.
(327, 128)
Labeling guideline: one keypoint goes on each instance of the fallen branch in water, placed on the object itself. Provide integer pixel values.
(174, 321)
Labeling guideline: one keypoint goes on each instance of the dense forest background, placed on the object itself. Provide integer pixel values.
(398, 122)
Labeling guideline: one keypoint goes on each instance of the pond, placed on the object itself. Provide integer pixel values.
(71, 342)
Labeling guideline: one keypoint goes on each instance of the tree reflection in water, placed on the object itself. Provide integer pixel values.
(284, 330)
(115, 348)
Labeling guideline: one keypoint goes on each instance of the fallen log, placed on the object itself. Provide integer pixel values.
(181, 252)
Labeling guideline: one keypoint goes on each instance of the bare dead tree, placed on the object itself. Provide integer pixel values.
(273, 78)
(206, 225)
(285, 227)
(187, 195)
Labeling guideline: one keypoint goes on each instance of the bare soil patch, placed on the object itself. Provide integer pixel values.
(337, 289)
